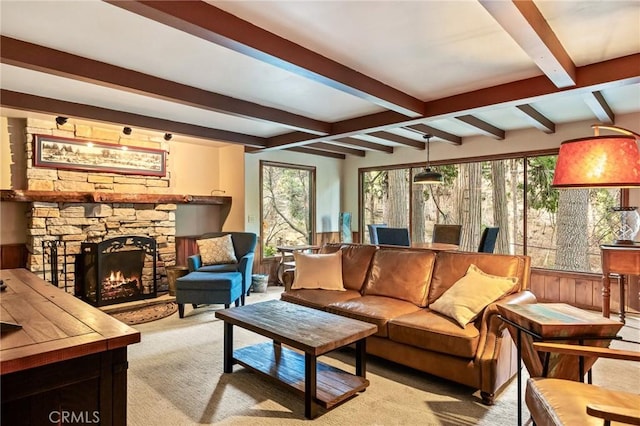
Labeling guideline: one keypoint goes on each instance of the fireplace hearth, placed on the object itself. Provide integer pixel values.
(117, 270)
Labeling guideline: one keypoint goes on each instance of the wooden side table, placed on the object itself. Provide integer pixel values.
(622, 260)
(554, 322)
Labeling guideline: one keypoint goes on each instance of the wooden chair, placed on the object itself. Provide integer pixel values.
(448, 234)
(566, 402)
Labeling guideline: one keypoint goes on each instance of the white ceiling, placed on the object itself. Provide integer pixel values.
(435, 53)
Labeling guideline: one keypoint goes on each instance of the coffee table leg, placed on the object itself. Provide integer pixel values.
(310, 408)
(361, 358)
(228, 347)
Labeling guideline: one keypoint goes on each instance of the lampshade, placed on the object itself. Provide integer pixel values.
(598, 162)
(428, 176)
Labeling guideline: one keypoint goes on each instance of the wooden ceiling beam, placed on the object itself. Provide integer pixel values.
(526, 25)
(441, 134)
(616, 72)
(538, 120)
(215, 25)
(305, 150)
(337, 148)
(366, 144)
(398, 139)
(599, 106)
(481, 125)
(27, 102)
(62, 64)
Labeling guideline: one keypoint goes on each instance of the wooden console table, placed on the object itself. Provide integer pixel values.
(622, 260)
(288, 251)
(67, 357)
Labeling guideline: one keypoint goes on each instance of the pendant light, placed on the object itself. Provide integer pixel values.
(428, 176)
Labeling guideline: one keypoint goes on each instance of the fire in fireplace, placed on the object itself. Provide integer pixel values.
(117, 270)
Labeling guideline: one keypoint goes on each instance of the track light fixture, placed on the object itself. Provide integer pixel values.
(167, 136)
(126, 130)
(61, 121)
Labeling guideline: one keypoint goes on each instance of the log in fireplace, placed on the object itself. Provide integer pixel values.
(116, 270)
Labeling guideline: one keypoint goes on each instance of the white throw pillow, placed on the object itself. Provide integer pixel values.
(217, 251)
(468, 296)
(318, 271)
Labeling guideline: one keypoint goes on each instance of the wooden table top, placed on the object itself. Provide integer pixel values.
(435, 246)
(310, 330)
(296, 248)
(56, 326)
(559, 319)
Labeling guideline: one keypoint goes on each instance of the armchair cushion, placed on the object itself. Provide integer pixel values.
(216, 251)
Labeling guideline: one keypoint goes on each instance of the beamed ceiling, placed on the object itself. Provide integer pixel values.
(330, 78)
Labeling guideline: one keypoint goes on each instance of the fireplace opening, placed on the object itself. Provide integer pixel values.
(117, 270)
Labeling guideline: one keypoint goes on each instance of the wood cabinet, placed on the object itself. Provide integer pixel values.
(68, 361)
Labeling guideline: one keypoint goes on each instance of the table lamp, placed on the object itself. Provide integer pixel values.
(603, 162)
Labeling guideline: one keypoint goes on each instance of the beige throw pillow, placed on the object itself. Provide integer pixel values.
(471, 294)
(318, 271)
(216, 251)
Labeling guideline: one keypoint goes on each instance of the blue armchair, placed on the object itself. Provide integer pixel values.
(244, 245)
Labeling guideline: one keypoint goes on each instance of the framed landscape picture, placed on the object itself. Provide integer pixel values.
(73, 154)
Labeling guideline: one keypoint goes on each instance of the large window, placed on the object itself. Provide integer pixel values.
(287, 211)
(558, 229)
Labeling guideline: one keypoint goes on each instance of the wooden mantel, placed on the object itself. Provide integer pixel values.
(109, 197)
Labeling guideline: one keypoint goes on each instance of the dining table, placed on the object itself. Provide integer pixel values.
(436, 246)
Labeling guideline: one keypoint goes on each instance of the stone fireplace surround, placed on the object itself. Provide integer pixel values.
(86, 206)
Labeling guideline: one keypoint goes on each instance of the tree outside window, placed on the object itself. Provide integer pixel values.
(287, 211)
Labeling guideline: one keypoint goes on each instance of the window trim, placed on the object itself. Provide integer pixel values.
(312, 200)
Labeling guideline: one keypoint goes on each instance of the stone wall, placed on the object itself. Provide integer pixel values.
(74, 223)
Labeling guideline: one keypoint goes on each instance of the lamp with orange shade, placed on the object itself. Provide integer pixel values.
(603, 162)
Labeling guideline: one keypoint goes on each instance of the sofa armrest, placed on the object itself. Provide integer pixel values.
(492, 330)
(245, 267)
(287, 278)
(194, 262)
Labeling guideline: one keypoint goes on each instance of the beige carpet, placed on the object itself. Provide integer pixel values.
(175, 378)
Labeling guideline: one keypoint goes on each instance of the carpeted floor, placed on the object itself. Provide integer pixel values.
(175, 378)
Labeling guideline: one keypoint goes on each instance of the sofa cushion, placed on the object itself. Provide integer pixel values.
(322, 271)
(429, 330)
(401, 274)
(451, 266)
(374, 309)
(318, 299)
(356, 260)
(218, 250)
(465, 299)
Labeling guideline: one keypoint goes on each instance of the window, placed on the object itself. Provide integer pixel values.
(288, 208)
(559, 229)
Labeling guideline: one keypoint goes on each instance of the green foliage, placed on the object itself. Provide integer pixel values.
(542, 196)
(270, 251)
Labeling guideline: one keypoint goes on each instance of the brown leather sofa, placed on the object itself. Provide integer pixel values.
(393, 287)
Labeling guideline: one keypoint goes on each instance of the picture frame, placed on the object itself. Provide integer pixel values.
(75, 154)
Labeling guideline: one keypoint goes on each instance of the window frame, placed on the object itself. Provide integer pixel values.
(312, 200)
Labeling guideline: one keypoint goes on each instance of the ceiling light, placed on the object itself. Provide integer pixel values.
(428, 176)
(126, 130)
(167, 136)
(61, 121)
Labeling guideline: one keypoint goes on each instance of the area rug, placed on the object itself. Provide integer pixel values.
(147, 313)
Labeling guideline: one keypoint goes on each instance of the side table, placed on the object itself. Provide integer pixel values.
(621, 259)
(554, 322)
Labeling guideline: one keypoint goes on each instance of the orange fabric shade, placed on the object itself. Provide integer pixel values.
(598, 161)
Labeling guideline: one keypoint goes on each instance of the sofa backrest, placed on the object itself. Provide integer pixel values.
(450, 266)
(403, 274)
(356, 259)
(243, 242)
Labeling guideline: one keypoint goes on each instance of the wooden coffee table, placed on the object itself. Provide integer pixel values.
(311, 331)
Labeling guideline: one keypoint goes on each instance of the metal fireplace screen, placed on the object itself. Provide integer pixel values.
(117, 270)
